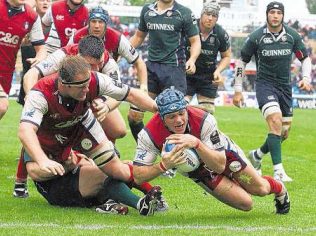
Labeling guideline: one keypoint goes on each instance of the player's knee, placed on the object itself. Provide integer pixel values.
(246, 205)
(207, 105)
(104, 154)
(135, 116)
(119, 132)
(275, 123)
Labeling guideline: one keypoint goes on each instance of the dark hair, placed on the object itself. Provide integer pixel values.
(72, 66)
(91, 46)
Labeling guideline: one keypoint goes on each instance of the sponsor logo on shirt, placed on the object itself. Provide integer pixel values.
(276, 52)
(9, 38)
(267, 40)
(165, 27)
(26, 25)
(59, 17)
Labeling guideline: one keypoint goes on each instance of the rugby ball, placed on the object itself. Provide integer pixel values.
(191, 157)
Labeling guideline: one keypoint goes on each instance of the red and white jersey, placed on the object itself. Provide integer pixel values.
(58, 127)
(51, 64)
(201, 125)
(114, 42)
(13, 29)
(64, 23)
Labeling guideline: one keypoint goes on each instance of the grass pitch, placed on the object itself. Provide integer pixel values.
(192, 212)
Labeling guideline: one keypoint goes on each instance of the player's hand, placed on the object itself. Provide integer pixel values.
(218, 78)
(304, 85)
(173, 158)
(190, 67)
(52, 167)
(238, 99)
(183, 140)
(100, 109)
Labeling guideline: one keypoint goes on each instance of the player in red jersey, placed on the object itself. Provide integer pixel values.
(118, 45)
(64, 17)
(56, 117)
(17, 20)
(224, 170)
(92, 49)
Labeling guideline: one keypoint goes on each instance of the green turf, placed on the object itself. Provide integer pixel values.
(192, 212)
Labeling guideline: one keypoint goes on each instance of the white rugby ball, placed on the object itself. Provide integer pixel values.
(191, 157)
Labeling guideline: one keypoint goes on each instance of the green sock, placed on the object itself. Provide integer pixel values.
(274, 143)
(265, 147)
(118, 191)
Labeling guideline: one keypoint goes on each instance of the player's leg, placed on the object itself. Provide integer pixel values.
(20, 185)
(114, 125)
(222, 188)
(207, 93)
(135, 120)
(4, 101)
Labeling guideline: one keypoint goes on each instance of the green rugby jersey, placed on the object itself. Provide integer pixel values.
(167, 32)
(217, 41)
(273, 55)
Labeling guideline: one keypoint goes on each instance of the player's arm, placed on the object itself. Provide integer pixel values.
(141, 74)
(122, 92)
(222, 65)
(144, 166)
(304, 83)
(138, 38)
(33, 111)
(238, 98)
(30, 79)
(195, 51)
(38, 42)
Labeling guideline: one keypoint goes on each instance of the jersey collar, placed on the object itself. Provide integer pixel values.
(267, 31)
(153, 7)
(14, 10)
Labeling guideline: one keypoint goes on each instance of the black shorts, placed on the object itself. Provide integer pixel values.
(64, 191)
(202, 85)
(162, 76)
(282, 94)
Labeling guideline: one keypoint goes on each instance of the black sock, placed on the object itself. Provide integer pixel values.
(135, 128)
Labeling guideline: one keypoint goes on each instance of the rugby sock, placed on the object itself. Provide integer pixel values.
(274, 143)
(144, 187)
(21, 173)
(120, 192)
(276, 186)
(135, 127)
(264, 149)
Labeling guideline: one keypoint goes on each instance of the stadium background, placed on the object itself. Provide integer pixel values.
(239, 18)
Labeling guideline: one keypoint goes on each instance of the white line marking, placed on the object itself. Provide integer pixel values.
(161, 227)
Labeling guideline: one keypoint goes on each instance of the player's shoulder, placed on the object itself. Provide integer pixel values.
(219, 30)
(289, 30)
(181, 8)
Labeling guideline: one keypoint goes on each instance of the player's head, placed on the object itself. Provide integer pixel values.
(17, 3)
(209, 14)
(76, 3)
(98, 20)
(74, 77)
(275, 14)
(92, 49)
(172, 110)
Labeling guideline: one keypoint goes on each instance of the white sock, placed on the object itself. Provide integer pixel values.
(278, 167)
(259, 153)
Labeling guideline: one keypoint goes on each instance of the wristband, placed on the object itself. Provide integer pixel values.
(162, 167)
